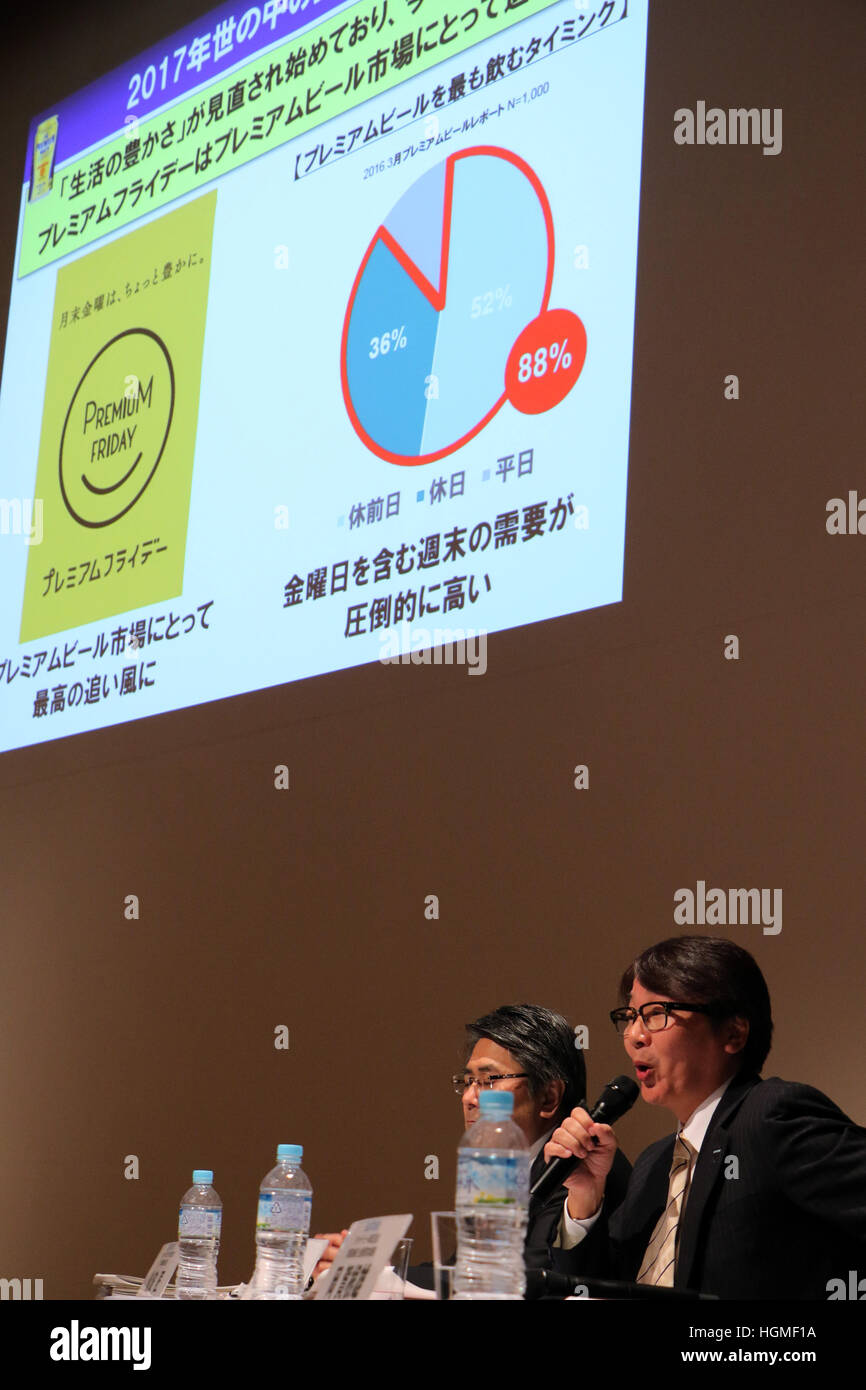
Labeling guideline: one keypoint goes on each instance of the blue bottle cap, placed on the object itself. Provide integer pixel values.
(293, 1151)
(496, 1105)
(202, 1175)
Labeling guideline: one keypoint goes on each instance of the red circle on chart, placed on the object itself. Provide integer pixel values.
(547, 342)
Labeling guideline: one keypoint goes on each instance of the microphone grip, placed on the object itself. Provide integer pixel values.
(554, 1175)
(617, 1097)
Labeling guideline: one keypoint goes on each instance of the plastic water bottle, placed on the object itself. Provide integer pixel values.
(282, 1227)
(492, 1203)
(198, 1233)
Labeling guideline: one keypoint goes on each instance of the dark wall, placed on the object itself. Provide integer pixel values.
(306, 907)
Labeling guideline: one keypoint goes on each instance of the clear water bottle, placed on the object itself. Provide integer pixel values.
(492, 1203)
(198, 1233)
(282, 1227)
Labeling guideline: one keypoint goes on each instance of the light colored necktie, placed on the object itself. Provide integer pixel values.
(659, 1262)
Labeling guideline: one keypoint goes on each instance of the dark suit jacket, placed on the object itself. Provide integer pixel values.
(781, 1222)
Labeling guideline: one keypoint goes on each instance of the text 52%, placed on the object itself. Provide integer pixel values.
(490, 301)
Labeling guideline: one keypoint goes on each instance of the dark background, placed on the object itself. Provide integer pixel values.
(306, 908)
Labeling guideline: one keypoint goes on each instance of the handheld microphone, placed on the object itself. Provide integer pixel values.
(617, 1097)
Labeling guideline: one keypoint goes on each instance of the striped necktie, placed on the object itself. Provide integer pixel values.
(659, 1262)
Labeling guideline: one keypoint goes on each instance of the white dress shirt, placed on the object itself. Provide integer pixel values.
(573, 1231)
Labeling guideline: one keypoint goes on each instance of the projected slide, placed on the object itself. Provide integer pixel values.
(319, 351)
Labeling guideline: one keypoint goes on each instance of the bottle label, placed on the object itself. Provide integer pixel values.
(284, 1211)
(200, 1221)
(492, 1176)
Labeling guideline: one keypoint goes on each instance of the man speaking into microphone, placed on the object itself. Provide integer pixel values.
(761, 1193)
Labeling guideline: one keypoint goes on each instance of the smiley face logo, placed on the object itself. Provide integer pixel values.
(116, 427)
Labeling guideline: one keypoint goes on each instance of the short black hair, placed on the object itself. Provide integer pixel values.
(710, 970)
(543, 1044)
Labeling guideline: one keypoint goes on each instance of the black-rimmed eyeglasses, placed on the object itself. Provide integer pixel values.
(655, 1016)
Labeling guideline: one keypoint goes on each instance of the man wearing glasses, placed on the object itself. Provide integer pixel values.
(761, 1193)
(531, 1052)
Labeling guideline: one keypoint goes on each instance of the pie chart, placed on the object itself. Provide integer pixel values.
(460, 265)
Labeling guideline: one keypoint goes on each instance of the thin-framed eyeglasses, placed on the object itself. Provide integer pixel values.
(486, 1082)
